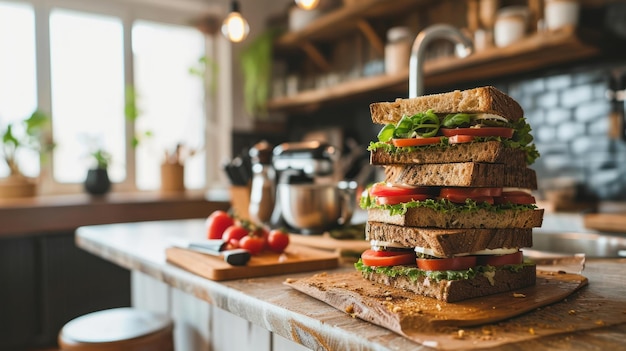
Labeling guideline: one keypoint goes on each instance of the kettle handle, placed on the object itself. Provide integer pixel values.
(347, 192)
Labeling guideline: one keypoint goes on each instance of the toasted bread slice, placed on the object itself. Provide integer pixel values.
(478, 100)
(457, 290)
(485, 152)
(465, 174)
(450, 242)
(480, 218)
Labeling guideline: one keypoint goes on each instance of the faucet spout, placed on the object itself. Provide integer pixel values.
(416, 63)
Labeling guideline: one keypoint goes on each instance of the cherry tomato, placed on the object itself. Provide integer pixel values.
(446, 264)
(500, 260)
(398, 199)
(277, 240)
(253, 243)
(515, 197)
(234, 233)
(217, 223)
(415, 141)
(382, 189)
(481, 132)
(387, 258)
(459, 139)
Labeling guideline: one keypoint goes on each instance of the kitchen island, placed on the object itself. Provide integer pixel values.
(264, 314)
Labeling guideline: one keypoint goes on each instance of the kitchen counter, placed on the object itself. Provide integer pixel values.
(264, 314)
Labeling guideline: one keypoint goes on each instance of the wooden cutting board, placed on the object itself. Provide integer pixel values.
(469, 324)
(606, 222)
(295, 259)
(326, 242)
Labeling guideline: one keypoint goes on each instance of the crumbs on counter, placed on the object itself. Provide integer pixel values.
(518, 295)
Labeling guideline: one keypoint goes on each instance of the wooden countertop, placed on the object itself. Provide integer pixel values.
(48, 214)
(269, 303)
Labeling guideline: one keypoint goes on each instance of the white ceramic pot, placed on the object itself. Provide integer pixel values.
(561, 13)
(510, 25)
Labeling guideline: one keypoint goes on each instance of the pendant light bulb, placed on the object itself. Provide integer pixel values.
(307, 4)
(235, 27)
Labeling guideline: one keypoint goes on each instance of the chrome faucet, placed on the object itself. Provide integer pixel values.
(416, 63)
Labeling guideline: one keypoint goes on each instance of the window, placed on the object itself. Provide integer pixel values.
(18, 81)
(82, 50)
(170, 100)
(87, 84)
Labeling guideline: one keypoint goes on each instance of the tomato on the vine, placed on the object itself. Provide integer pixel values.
(253, 243)
(233, 234)
(216, 224)
(278, 240)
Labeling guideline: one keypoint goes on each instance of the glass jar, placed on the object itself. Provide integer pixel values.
(397, 50)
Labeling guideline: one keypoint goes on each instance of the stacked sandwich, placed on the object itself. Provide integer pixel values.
(456, 205)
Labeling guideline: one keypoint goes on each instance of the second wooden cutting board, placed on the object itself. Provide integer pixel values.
(295, 259)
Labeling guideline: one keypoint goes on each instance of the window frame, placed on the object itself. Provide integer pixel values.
(217, 104)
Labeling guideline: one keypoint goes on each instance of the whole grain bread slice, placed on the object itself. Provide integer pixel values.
(478, 100)
(462, 289)
(463, 174)
(485, 152)
(449, 242)
(426, 217)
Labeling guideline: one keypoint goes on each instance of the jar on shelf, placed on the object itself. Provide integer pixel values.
(561, 13)
(511, 24)
(397, 50)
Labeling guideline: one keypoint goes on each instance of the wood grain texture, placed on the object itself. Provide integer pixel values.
(295, 259)
(268, 303)
(606, 222)
(436, 324)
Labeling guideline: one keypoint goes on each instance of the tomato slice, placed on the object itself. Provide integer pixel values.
(446, 264)
(515, 197)
(459, 139)
(398, 199)
(459, 195)
(471, 192)
(382, 189)
(460, 199)
(415, 141)
(387, 258)
(500, 260)
(481, 132)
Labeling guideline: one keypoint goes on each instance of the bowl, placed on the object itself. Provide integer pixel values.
(315, 208)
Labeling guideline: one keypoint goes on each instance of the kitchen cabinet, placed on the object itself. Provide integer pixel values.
(539, 50)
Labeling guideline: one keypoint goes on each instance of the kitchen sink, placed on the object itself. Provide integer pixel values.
(590, 244)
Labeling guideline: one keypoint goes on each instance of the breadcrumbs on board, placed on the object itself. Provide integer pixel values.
(600, 322)
(460, 334)
(518, 295)
(531, 331)
(290, 280)
(571, 312)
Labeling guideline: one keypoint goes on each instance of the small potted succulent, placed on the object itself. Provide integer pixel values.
(97, 181)
(16, 137)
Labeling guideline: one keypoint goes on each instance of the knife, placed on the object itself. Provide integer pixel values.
(214, 247)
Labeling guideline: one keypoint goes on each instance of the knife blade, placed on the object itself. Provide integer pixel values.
(214, 247)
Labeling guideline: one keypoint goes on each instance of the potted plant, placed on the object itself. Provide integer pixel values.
(97, 181)
(16, 136)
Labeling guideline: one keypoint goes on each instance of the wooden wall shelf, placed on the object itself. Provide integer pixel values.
(535, 52)
(344, 20)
